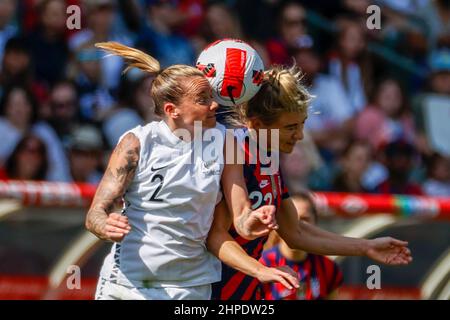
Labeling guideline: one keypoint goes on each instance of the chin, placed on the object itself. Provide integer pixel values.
(209, 123)
(286, 149)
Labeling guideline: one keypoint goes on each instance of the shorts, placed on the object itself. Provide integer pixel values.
(107, 290)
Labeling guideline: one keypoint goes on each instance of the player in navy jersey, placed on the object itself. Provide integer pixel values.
(319, 276)
(281, 104)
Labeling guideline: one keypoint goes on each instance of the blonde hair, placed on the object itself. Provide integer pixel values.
(281, 91)
(167, 85)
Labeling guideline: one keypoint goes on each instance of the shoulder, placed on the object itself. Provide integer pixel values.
(128, 146)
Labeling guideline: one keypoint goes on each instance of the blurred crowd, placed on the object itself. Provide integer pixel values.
(378, 122)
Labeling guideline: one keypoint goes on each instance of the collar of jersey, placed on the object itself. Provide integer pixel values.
(171, 137)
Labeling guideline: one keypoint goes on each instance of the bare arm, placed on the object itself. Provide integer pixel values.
(248, 223)
(222, 245)
(304, 236)
(119, 173)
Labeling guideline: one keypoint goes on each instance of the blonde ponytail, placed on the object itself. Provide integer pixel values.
(168, 84)
(135, 58)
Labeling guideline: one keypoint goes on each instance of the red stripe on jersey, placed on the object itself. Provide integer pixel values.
(250, 291)
(307, 267)
(231, 286)
(257, 252)
(233, 77)
(329, 273)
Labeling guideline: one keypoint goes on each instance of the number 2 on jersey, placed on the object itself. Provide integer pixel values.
(155, 194)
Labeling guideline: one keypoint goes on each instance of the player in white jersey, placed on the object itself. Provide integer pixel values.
(169, 197)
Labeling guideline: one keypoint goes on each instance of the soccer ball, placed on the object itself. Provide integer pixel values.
(233, 68)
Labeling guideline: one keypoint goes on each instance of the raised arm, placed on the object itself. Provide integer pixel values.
(248, 223)
(100, 219)
(223, 246)
(300, 235)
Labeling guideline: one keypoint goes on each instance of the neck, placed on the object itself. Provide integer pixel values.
(173, 126)
(293, 255)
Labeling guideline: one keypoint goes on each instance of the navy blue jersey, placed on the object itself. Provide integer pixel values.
(262, 190)
(319, 276)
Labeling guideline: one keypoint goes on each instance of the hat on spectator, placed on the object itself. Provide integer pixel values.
(439, 60)
(86, 138)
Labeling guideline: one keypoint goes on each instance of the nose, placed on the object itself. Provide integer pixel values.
(214, 106)
(298, 135)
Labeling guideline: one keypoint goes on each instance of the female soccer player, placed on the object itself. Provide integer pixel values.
(169, 195)
(281, 104)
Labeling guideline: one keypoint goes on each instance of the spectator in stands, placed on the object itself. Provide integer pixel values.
(7, 28)
(17, 69)
(19, 117)
(28, 160)
(64, 109)
(387, 118)
(125, 115)
(299, 165)
(432, 107)
(437, 18)
(438, 176)
(221, 22)
(354, 162)
(85, 154)
(158, 34)
(399, 157)
(292, 34)
(330, 119)
(351, 64)
(319, 276)
(94, 97)
(18, 110)
(101, 26)
(47, 43)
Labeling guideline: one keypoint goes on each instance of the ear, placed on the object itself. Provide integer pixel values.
(254, 123)
(171, 110)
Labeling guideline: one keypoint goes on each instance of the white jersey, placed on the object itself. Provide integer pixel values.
(170, 206)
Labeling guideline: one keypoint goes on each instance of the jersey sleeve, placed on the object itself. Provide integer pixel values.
(335, 278)
(283, 187)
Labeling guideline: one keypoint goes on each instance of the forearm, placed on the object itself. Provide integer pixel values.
(223, 246)
(96, 221)
(119, 173)
(315, 240)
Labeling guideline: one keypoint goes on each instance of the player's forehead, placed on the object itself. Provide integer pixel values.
(290, 118)
(195, 86)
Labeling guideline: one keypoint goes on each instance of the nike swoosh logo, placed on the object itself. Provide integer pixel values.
(159, 168)
(263, 184)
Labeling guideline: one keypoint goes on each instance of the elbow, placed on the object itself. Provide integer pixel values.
(242, 231)
(292, 243)
(294, 240)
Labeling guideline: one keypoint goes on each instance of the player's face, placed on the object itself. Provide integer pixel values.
(290, 125)
(198, 103)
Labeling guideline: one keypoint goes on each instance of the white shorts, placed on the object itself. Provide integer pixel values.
(107, 290)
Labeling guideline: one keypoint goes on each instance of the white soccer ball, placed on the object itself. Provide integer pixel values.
(233, 68)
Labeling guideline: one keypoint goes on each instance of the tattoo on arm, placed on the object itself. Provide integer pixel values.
(120, 172)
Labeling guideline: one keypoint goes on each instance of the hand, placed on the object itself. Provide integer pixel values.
(284, 275)
(116, 227)
(260, 222)
(389, 251)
